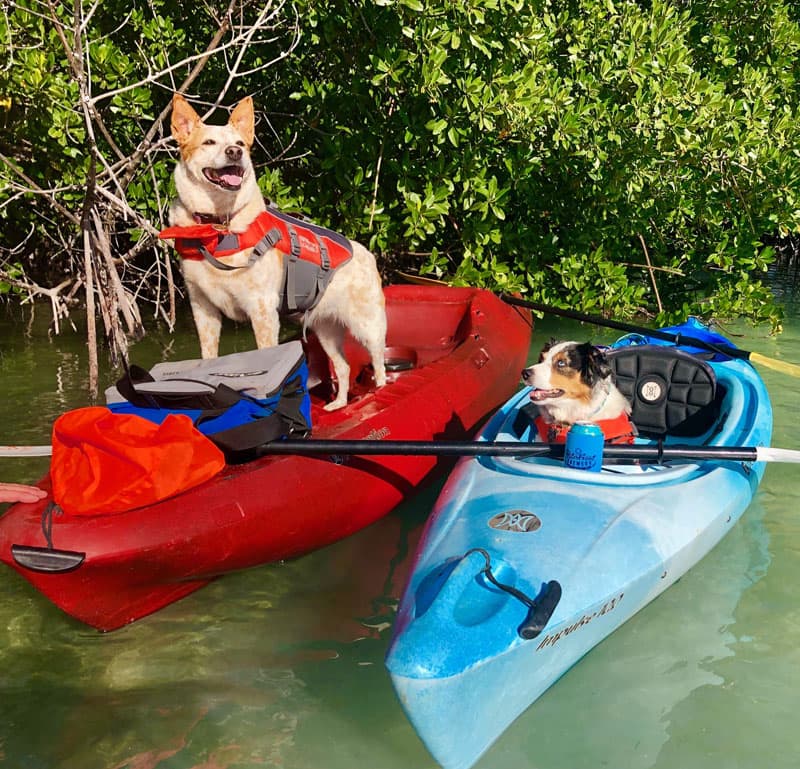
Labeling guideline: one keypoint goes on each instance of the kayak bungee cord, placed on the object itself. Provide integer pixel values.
(540, 609)
(47, 523)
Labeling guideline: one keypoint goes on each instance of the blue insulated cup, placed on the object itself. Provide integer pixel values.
(584, 449)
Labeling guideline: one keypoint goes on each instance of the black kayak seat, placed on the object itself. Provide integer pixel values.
(671, 391)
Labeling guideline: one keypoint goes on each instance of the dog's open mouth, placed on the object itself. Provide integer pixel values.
(228, 177)
(544, 395)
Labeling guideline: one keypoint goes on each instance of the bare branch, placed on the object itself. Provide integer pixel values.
(36, 189)
(88, 226)
(652, 273)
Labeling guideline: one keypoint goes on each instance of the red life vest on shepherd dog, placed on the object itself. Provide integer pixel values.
(619, 430)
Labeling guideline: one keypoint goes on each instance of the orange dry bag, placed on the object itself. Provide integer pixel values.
(108, 463)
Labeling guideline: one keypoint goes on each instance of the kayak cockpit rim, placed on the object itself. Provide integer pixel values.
(732, 382)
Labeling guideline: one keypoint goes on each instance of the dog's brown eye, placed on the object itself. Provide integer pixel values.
(240, 143)
(209, 141)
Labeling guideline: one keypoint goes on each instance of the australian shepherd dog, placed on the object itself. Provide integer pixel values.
(573, 382)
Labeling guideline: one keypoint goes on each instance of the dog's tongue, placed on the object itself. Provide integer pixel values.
(228, 177)
(541, 395)
(231, 180)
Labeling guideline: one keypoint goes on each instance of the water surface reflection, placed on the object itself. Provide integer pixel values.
(282, 666)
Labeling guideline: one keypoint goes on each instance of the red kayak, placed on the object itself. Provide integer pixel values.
(453, 355)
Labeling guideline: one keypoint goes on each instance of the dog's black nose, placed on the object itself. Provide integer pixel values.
(525, 374)
(233, 153)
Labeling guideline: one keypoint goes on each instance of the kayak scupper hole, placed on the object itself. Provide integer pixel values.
(480, 600)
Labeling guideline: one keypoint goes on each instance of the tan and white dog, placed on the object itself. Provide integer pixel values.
(216, 182)
(573, 383)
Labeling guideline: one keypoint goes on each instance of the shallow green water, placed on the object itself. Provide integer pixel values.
(282, 666)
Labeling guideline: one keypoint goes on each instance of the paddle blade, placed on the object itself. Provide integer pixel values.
(768, 454)
(26, 451)
(777, 365)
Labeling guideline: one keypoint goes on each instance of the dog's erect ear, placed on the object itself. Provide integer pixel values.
(595, 364)
(243, 120)
(184, 119)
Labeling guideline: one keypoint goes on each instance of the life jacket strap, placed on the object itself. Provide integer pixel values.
(265, 244)
(619, 430)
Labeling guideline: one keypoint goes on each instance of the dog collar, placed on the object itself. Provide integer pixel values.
(223, 221)
(200, 218)
(603, 402)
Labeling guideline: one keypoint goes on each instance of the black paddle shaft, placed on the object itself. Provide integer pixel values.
(666, 336)
(655, 453)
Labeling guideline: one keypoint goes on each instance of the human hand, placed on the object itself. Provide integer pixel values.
(20, 492)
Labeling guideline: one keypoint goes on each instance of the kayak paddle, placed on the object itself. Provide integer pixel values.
(656, 452)
(732, 352)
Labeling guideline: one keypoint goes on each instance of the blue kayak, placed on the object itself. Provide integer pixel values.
(526, 564)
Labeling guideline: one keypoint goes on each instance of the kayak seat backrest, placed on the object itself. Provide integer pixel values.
(432, 329)
(419, 333)
(671, 392)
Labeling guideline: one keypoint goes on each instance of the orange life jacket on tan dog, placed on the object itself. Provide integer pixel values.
(312, 254)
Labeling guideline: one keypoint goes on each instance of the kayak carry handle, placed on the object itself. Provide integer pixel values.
(47, 560)
(541, 609)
